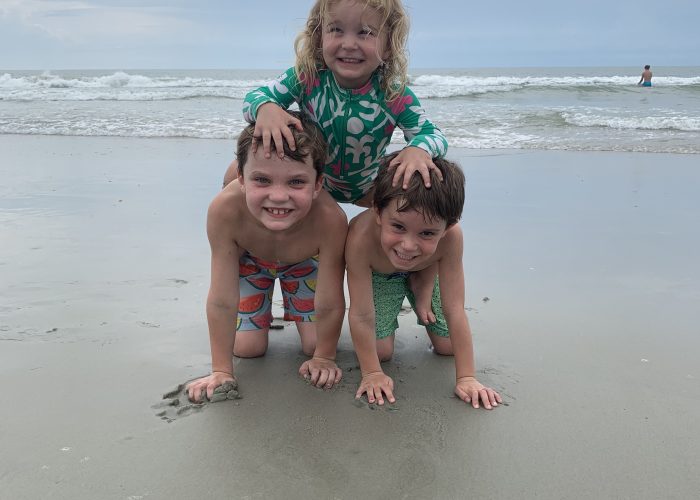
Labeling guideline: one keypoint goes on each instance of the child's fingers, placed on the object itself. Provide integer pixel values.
(378, 395)
(390, 395)
(289, 137)
(424, 173)
(314, 372)
(432, 166)
(485, 398)
(397, 174)
(322, 378)
(279, 143)
(334, 375)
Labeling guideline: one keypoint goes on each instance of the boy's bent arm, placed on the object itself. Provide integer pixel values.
(329, 300)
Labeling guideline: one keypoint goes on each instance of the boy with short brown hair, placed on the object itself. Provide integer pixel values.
(404, 232)
(275, 222)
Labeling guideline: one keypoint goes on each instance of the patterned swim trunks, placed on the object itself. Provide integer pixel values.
(389, 291)
(257, 280)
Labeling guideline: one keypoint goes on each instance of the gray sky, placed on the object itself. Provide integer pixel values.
(130, 34)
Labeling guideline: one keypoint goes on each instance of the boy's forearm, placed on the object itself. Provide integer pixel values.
(365, 342)
(463, 348)
(222, 334)
(329, 322)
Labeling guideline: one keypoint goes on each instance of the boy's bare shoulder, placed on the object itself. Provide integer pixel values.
(328, 212)
(361, 245)
(228, 205)
(451, 244)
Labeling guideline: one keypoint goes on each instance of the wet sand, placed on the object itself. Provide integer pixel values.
(590, 332)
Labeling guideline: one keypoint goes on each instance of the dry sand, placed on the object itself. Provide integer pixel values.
(589, 262)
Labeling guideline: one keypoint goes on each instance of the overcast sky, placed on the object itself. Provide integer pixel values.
(130, 34)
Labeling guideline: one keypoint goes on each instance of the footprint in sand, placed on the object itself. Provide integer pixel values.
(176, 403)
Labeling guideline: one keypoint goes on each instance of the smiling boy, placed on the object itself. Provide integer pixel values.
(275, 222)
(407, 231)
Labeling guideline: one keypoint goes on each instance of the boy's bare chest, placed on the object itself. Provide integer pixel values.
(282, 248)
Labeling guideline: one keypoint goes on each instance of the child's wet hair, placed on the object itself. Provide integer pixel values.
(443, 200)
(395, 23)
(309, 143)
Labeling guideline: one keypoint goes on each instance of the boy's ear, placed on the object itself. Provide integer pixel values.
(318, 186)
(241, 181)
(377, 215)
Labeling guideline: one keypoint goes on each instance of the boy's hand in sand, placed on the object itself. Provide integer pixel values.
(207, 385)
(470, 390)
(321, 372)
(408, 161)
(374, 384)
(272, 125)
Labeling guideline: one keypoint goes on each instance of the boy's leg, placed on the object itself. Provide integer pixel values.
(388, 291)
(437, 330)
(251, 343)
(256, 286)
(298, 285)
(422, 283)
(231, 173)
(385, 347)
(441, 345)
(307, 335)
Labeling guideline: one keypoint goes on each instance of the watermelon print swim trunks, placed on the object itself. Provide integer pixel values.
(257, 279)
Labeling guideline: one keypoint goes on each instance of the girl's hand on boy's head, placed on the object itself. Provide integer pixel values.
(470, 390)
(408, 161)
(272, 125)
(321, 372)
(375, 384)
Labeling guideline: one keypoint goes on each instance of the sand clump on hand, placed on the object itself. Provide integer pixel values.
(171, 408)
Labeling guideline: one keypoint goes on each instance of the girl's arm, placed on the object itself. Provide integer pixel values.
(418, 130)
(283, 91)
(266, 107)
(424, 141)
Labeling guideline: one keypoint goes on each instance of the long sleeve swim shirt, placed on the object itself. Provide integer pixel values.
(357, 123)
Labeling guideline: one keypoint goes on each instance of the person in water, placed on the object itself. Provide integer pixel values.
(645, 80)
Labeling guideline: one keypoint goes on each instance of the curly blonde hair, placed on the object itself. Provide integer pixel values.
(393, 70)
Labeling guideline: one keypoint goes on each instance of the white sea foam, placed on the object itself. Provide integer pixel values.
(682, 123)
(474, 109)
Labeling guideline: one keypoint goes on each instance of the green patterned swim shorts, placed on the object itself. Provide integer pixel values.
(389, 291)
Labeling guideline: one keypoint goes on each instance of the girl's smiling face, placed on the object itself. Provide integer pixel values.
(353, 47)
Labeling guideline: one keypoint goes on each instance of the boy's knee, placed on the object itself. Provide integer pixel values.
(384, 351)
(249, 352)
(443, 348)
(245, 348)
(308, 348)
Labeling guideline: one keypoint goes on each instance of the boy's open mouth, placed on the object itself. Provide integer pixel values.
(404, 256)
(278, 211)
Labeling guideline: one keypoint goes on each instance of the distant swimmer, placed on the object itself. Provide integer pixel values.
(645, 80)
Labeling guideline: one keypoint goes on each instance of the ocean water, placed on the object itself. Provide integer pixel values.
(596, 109)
